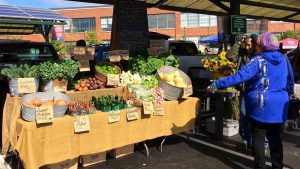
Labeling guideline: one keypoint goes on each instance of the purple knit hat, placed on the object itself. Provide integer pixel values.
(268, 41)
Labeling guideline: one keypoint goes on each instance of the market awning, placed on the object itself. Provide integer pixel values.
(16, 20)
(288, 10)
(289, 43)
(210, 39)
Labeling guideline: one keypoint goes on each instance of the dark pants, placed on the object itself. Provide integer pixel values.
(273, 132)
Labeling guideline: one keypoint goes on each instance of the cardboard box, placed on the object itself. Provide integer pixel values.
(87, 160)
(68, 164)
(122, 151)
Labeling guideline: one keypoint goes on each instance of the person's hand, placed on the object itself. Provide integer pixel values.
(212, 88)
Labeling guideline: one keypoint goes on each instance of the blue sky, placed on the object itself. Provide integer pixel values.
(45, 3)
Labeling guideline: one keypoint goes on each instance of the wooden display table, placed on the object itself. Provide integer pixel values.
(39, 145)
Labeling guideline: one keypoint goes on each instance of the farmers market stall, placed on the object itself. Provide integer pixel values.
(108, 110)
(40, 145)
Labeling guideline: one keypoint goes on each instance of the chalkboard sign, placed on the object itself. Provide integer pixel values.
(130, 26)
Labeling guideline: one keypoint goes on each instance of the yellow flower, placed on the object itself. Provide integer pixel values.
(222, 55)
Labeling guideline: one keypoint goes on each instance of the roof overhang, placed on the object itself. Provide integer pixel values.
(278, 10)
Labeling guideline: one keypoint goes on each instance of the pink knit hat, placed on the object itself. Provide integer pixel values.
(268, 41)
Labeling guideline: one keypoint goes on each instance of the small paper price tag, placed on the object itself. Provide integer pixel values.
(113, 116)
(81, 123)
(44, 114)
(60, 85)
(84, 65)
(159, 110)
(124, 54)
(113, 79)
(131, 114)
(115, 58)
(187, 91)
(26, 85)
(148, 107)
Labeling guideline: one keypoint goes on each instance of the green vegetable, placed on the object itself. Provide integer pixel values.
(109, 100)
(150, 82)
(51, 70)
(21, 71)
(145, 66)
(149, 65)
(107, 69)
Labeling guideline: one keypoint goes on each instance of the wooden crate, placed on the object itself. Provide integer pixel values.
(122, 151)
(91, 159)
(68, 164)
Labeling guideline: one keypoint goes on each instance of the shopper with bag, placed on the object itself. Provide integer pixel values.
(268, 82)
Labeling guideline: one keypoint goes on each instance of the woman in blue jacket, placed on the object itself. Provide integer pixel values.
(266, 97)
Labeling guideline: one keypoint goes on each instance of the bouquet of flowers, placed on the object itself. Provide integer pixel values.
(219, 64)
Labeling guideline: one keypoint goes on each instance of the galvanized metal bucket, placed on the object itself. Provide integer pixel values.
(14, 87)
(28, 113)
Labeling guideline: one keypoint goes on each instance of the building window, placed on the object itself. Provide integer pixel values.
(67, 27)
(191, 20)
(106, 23)
(84, 24)
(161, 21)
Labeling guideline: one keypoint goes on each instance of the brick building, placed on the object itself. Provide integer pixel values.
(175, 24)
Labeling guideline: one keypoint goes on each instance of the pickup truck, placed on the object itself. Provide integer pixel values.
(187, 53)
(13, 52)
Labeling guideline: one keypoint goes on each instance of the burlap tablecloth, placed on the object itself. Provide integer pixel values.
(47, 144)
(11, 112)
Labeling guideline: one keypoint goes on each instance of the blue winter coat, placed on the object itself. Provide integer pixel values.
(266, 90)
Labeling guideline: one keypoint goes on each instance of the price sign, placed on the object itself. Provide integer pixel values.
(113, 116)
(44, 114)
(84, 65)
(124, 54)
(131, 113)
(81, 123)
(187, 91)
(60, 85)
(159, 110)
(26, 85)
(148, 107)
(113, 79)
(114, 56)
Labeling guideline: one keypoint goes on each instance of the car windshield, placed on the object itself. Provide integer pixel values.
(183, 49)
(17, 53)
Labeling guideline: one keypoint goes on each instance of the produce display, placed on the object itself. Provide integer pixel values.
(22, 71)
(149, 65)
(64, 69)
(108, 103)
(89, 84)
(158, 95)
(173, 79)
(38, 103)
(81, 108)
(150, 82)
(126, 78)
(107, 69)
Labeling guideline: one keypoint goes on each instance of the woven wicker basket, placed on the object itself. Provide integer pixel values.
(101, 76)
(172, 92)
